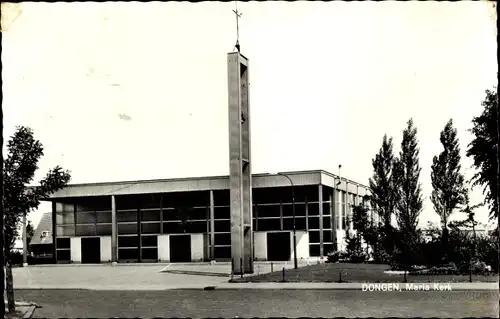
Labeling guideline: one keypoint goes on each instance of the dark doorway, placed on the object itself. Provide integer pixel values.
(91, 250)
(278, 246)
(180, 248)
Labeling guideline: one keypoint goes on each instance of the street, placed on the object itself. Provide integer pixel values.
(261, 303)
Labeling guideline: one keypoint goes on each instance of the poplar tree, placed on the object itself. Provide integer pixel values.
(382, 190)
(448, 191)
(408, 192)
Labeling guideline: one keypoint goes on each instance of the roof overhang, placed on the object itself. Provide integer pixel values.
(299, 178)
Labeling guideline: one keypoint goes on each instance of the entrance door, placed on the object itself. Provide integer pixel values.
(180, 248)
(278, 246)
(91, 250)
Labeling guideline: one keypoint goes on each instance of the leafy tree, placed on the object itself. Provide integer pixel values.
(447, 180)
(408, 193)
(484, 150)
(23, 153)
(382, 190)
(363, 226)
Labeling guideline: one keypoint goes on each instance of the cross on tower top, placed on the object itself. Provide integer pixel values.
(238, 16)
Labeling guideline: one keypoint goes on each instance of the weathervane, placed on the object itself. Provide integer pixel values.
(238, 15)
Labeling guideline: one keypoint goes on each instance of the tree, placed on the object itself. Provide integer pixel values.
(30, 231)
(23, 153)
(447, 180)
(484, 150)
(363, 226)
(382, 190)
(470, 223)
(408, 193)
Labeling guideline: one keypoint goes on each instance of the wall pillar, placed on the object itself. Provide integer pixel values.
(54, 233)
(212, 226)
(333, 220)
(114, 231)
(320, 203)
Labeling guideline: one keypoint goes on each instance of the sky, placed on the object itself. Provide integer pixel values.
(126, 91)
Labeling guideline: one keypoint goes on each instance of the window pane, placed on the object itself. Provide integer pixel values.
(126, 229)
(63, 255)
(65, 230)
(222, 226)
(128, 241)
(313, 209)
(222, 239)
(327, 248)
(313, 223)
(222, 252)
(170, 215)
(327, 236)
(172, 228)
(314, 250)
(314, 236)
(300, 223)
(288, 223)
(300, 210)
(126, 216)
(128, 254)
(221, 197)
(222, 213)
(268, 211)
(65, 218)
(86, 218)
(326, 209)
(149, 253)
(196, 227)
(104, 217)
(104, 229)
(326, 222)
(85, 230)
(269, 224)
(151, 241)
(150, 228)
(198, 214)
(63, 243)
(326, 193)
(150, 215)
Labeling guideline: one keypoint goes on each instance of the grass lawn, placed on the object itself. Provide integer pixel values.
(372, 273)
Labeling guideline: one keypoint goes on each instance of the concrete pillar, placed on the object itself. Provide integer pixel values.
(212, 226)
(320, 203)
(240, 178)
(114, 231)
(25, 241)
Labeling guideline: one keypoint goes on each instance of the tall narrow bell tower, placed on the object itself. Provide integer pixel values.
(240, 176)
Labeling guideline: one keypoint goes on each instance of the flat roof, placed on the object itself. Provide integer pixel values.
(186, 184)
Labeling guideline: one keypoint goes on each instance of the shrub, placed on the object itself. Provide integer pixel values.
(16, 258)
(333, 257)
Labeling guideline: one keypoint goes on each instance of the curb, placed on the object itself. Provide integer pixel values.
(196, 273)
(284, 286)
